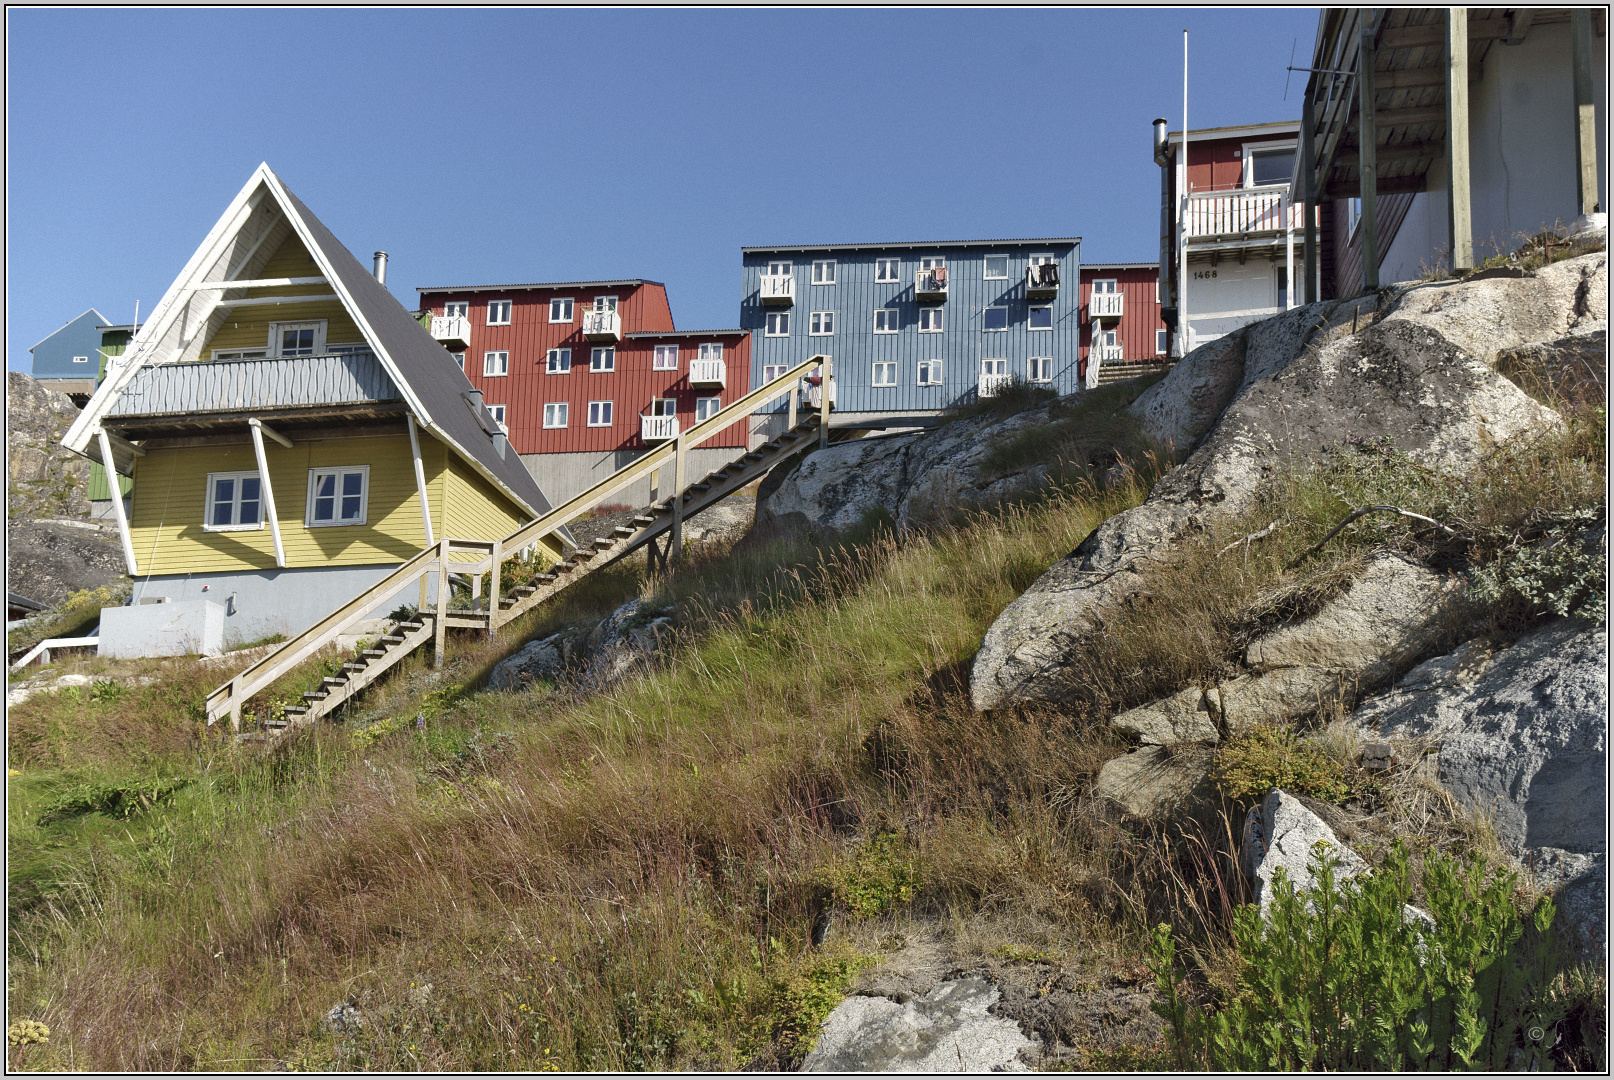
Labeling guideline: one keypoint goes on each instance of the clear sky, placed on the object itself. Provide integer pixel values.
(499, 145)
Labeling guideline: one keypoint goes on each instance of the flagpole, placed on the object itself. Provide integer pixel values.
(1185, 330)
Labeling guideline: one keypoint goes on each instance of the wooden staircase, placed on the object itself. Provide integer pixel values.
(1120, 371)
(662, 518)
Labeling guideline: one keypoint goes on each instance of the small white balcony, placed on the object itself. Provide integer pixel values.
(1105, 354)
(1042, 281)
(991, 384)
(708, 373)
(1104, 305)
(778, 290)
(602, 326)
(815, 392)
(453, 332)
(930, 285)
(658, 428)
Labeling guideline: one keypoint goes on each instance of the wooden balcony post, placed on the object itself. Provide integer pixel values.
(440, 630)
(675, 549)
(1308, 173)
(1368, 166)
(1459, 210)
(267, 490)
(795, 389)
(1581, 43)
(493, 587)
(235, 700)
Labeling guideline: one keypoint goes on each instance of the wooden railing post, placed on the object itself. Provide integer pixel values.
(235, 704)
(493, 587)
(823, 403)
(440, 629)
(675, 550)
(790, 424)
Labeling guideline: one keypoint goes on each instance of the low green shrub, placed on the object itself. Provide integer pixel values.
(878, 874)
(114, 798)
(796, 1004)
(1340, 978)
(1559, 574)
(1015, 396)
(1250, 764)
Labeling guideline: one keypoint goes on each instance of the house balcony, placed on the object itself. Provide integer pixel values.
(1241, 217)
(1042, 281)
(778, 290)
(658, 428)
(991, 384)
(708, 374)
(930, 285)
(353, 378)
(1104, 354)
(602, 326)
(453, 332)
(1104, 305)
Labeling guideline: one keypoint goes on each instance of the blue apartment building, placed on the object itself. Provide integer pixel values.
(912, 329)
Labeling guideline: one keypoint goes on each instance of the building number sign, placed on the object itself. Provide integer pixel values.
(1201, 275)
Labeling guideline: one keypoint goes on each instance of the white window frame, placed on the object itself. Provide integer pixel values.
(658, 358)
(1247, 155)
(890, 316)
(821, 324)
(275, 329)
(663, 406)
(884, 373)
(1162, 342)
(459, 358)
(994, 365)
(709, 350)
(601, 353)
(599, 413)
(556, 411)
(1104, 285)
(461, 308)
(929, 373)
(775, 320)
(771, 372)
(495, 363)
(887, 270)
(558, 362)
(561, 305)
(235, 503)
(823, 271)
(240, 354)
(341, 472)
(1031, 312)
(1107, 337)
(81, 359)
(1039, 369)
(498, 414)
(986, 268)
(499, 312)
(707, 407)
(605, 303)
(985, 329)
(781, 269)
(931, 320)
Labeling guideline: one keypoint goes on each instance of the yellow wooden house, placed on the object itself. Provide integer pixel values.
(292, 433)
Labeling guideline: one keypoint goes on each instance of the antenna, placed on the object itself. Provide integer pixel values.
(1292, 46)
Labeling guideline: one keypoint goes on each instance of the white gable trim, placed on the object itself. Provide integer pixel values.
(65, 325)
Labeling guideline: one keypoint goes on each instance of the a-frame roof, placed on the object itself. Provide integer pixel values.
(254, 224)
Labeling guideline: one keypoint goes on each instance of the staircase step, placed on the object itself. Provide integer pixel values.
(277, 724)
(527, 590)
(603, 542)
(621, 531)
(411, 627)
(545, 578)
(644, 519)
(354, 665)
(373, 654)
(314, 695)
(296, 710)
(394, 639)
(702, 486)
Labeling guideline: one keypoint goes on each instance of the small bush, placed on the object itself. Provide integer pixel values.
(114, 798)
(1249, 765)
(878, 874)
(1015, 396)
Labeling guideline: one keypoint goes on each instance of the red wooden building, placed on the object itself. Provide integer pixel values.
(588, 375)
(1121, 324)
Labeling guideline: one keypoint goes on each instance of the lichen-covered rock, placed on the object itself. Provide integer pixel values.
(544, 660)
(623, 641)
(1281, 832)
(1154, 780)
(946, 1030)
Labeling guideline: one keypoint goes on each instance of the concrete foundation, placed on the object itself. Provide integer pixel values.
(565, 476)
(172, 629)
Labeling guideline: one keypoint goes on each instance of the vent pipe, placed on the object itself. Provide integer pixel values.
(474, 396)
(381, 267)
(1162, 158)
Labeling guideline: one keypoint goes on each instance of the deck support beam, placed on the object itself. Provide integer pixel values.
(440, 627)
(1459, 208)
(675, 539)
(1581, 44)
(117, 502)
(420, 480)
(258, 429)
(1368, 168)
(824, 387)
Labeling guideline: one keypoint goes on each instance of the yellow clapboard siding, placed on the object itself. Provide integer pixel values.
(170, 505)
(479, 511)
(248, 327)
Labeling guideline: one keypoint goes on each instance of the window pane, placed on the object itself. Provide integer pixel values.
(1272, 166)
(1042, 318)
(997, 266)
(997, 318)
(223, 501)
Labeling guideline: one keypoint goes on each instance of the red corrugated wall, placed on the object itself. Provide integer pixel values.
(1140, 309)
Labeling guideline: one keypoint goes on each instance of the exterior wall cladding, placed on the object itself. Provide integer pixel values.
(1136, 329)
(963, 343)
(646, 322)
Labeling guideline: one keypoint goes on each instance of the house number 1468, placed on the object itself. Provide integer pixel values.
(1201, 275)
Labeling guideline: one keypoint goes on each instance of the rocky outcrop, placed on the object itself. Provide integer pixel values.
(945, 1030)
(587, 659)
(1156, 779)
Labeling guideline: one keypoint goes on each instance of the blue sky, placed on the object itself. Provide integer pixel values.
(507, 145)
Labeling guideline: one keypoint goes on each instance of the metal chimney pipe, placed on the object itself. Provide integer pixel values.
(381, 267)
(1162, 157)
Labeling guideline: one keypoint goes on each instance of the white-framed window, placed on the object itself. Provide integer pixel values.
(710, 350)
(496, 363)
(555, 414)
(234, 501)
(665, 358)
(81, 359)
(599, 414)
(887, 269)
(1040, 260)
(605, 303)
(297, 338)
(930, 320)
(997, 267)
(462, 308)
(558, 361)
(663, 406)
(780, 269)
(821, 324)
(1040, 318)
(771, 372)
(498, 313)
(240, 354)
(1162, 342)
(707, 407)
(497, 412)
(933, 262)
(930, 372)
(1040, 369)
(1104, 285)
(993, 365)
(1267, 164)
(885, 373)
(995, 317)
(823, 271)
(887, 320)
(560, 309)
(337, 496)
(778, 324)
(459, 359)
(1105, 337)
(602, 358)
(1283, 286)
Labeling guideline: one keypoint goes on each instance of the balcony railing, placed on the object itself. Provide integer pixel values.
(1104, 305)
(602, 326)
(778, 289)
(708, 373)
(930, 284)
(815, 391)
(1042, 280)
(453, 332)
(1104, 354)
(1234, 214)
(265, 383)
(658, 428)
(991, 384)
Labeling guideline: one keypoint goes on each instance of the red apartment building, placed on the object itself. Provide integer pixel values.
(588, 375)
(1122, 332)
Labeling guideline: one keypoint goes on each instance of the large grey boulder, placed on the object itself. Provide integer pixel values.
(623, 641)
(947, 1030)
(1156, 779)
(547, 659)
(832, 489)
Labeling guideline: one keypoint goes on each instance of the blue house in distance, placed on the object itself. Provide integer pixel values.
(914, 328)
(70, 359)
